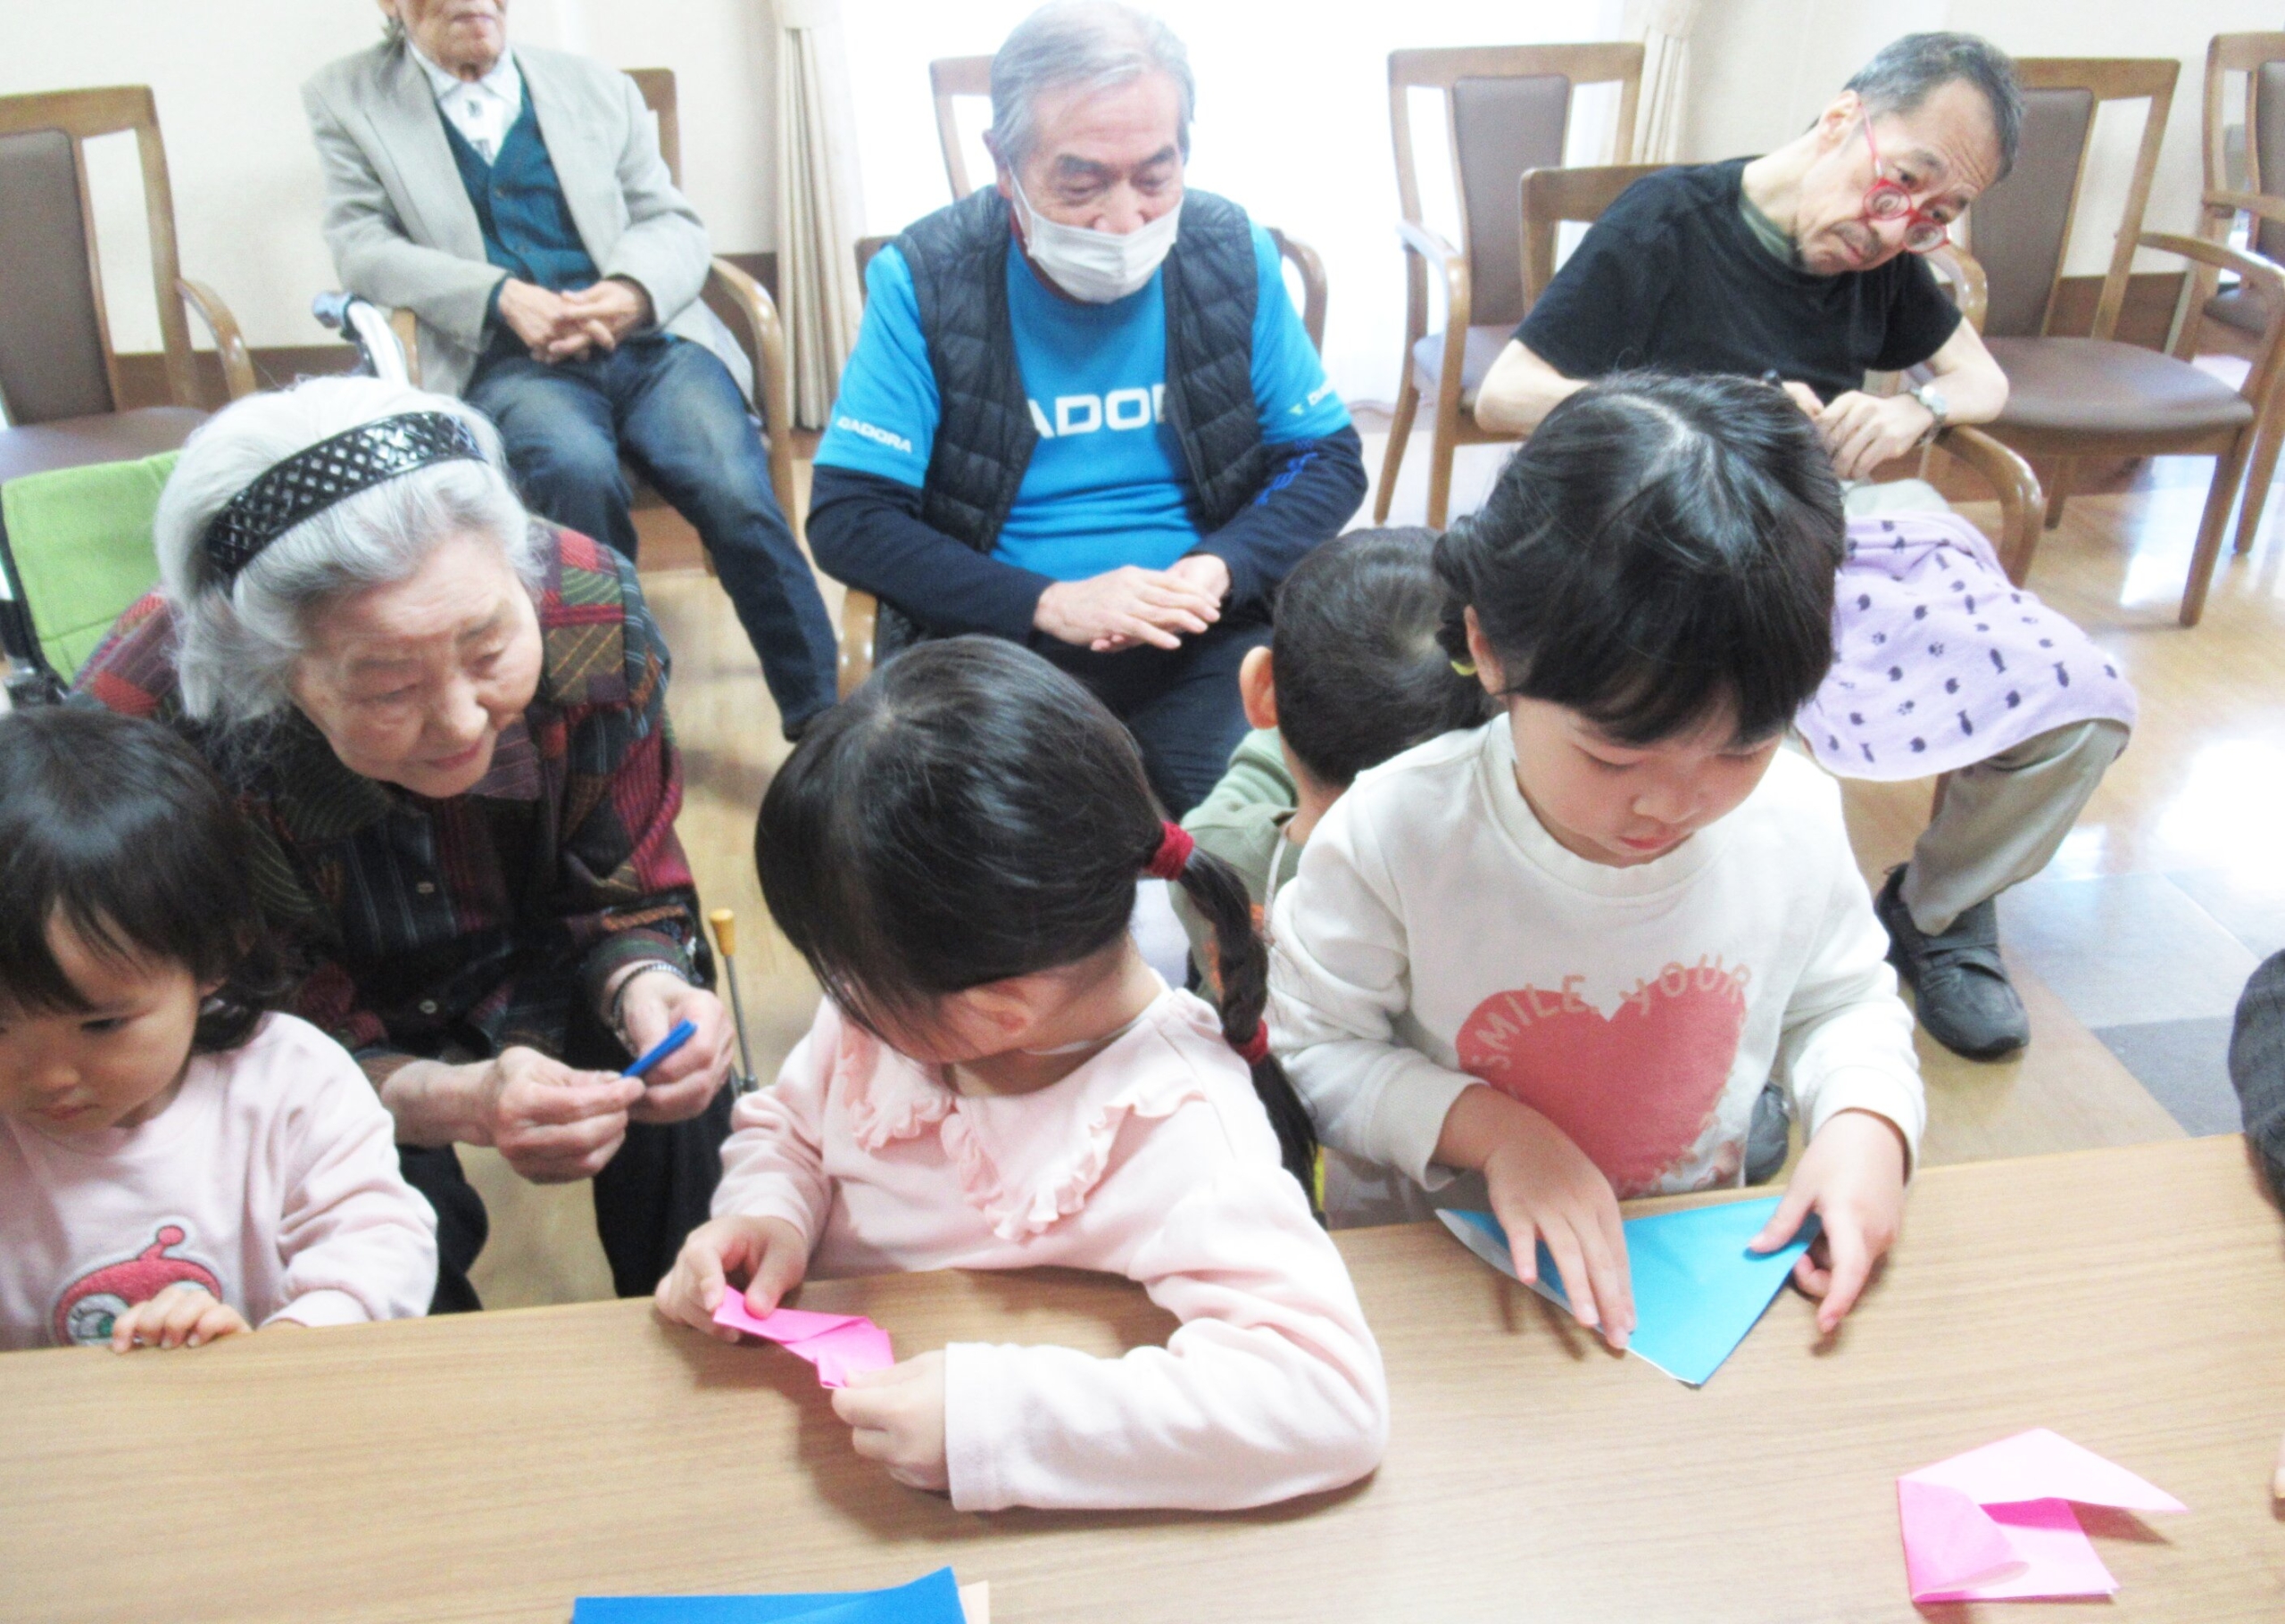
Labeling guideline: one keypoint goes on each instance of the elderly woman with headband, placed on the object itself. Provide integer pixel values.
(448, 722)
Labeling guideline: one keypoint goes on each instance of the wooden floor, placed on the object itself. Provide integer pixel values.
(2199, 790)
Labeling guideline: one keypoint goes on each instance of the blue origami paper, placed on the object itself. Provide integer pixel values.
(1697, 1291)
(933, 1600)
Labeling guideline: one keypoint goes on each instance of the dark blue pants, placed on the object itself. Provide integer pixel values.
(1181, 704)
(672, 409)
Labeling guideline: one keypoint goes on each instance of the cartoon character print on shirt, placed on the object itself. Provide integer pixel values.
(1635, 1089)
(88, 1307)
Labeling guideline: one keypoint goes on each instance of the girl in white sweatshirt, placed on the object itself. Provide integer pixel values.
(175, 1165)
(1565, 951)
(996, 1080)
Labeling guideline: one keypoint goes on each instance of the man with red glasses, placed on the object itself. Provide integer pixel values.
(1804, 266)
(1805, 262)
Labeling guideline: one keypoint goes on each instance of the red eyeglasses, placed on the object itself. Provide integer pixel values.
(1885, 200)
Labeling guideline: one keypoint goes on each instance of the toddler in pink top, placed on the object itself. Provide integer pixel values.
(996, 1080)
(175, 1166)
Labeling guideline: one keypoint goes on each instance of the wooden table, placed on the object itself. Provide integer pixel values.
(495, 1467)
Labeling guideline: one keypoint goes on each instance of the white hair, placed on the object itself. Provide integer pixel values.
(1099, 45)
(238, 640)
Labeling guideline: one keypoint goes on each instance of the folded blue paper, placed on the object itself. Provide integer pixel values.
(1697, 1291)
(933, 1600)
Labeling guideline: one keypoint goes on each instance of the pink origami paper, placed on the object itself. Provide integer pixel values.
(840, 1345)
(1996, 1524)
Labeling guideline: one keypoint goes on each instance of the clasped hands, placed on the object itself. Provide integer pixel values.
(565, 326)
(895, 1416)
(1131, 606)
(1862, 431)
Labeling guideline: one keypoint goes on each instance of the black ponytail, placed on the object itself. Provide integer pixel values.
(1241, 975)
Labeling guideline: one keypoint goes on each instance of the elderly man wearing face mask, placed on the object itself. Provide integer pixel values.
(1082, 412)
(516, 202)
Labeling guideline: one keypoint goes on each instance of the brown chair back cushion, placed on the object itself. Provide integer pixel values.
(50, 343)
(2016, 228)
(1501, 127)
(2268, 152)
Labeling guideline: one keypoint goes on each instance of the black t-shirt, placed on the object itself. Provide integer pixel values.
(1673, 277)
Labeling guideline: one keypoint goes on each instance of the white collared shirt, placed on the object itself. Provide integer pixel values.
(482, 110)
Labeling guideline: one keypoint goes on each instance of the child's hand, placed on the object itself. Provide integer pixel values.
(1852, 1177)
(897, 1417)
(1543, 1188)
(180, 1316)
(769, 1251)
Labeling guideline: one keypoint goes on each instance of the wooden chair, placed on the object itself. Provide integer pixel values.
(744, 306)
(59, 375)
(2260, 58)
(2073, 397)
(949, 78)
(1508, 109)
(1547, 199)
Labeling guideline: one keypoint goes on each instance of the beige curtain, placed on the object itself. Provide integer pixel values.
(820, 204)
(1664, 26)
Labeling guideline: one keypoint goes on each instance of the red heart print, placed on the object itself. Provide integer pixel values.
(1632, 1090)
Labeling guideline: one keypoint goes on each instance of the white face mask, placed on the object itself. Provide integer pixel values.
(1097, 267)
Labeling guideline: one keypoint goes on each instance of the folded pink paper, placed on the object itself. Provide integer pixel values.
(1996, 1524)
(840, 1345)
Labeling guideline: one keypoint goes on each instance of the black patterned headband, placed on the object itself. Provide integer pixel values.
(315, 477)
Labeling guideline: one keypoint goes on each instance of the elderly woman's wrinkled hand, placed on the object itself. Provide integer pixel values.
(553, 1124)
(685, 1082)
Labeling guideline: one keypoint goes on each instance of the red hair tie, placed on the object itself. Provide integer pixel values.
(1173, 854)
(1255, 1049)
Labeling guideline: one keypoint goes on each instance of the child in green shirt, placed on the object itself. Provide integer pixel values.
(1353, 676)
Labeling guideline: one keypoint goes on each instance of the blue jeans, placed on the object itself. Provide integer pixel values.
(672, 410)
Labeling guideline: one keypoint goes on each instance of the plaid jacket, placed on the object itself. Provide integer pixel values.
(429, 926)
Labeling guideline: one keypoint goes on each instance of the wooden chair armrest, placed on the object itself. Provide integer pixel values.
(1310, 265)
(1430, 246)
(1972, 288)
(2023, 504)
(2226, 203)
(2220, 256)
(773, 383)
(230, 343)
(406, 326)
(1428, 243)
(859, 614)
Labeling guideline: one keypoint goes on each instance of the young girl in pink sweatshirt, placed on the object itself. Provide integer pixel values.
(176, 1166)
(996, 1080)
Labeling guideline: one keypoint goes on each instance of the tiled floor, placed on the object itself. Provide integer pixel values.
(2130, 951)
(2176, 950)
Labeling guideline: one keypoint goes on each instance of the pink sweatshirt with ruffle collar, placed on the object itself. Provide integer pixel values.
(1154, 1161)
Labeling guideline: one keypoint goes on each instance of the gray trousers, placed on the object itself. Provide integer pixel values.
(2000, 822)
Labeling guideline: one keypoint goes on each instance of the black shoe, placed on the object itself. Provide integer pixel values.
(1769, 1139)
(1966, 1001)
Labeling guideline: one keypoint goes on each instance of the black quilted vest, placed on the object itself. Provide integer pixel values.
(959, 259)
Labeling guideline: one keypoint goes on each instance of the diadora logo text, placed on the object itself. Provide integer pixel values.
(878, 436)
(1083, 414)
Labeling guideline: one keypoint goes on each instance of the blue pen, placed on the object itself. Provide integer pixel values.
(684, 1032)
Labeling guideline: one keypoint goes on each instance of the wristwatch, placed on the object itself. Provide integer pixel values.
(1938, 407)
